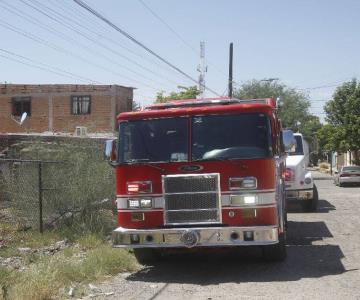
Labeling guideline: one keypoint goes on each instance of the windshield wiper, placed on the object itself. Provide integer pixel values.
(144, 160)
(215, 159)
(131, 161)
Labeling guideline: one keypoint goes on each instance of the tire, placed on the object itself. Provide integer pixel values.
(276, 252)
(146, 256)
(340, 184)
(311, 205)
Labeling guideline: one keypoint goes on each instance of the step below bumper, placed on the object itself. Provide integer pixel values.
(194, 237)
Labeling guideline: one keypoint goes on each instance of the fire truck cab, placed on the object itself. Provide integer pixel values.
(201, 173)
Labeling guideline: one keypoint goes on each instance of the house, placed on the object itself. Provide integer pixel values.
(62, 107)
(344, 159)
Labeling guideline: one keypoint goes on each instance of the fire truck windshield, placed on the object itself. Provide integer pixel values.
(240, 136)
(214, 137)
(156, 140)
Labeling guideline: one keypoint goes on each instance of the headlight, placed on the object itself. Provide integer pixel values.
(239, 200)
(145, 203)
(307, 180)
(139, 203)
(134, 203)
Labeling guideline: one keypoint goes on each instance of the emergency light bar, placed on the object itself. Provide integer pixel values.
(211, 102)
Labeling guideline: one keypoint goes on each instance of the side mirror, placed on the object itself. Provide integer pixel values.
(336, 172)
(110, 151)
(288, 140)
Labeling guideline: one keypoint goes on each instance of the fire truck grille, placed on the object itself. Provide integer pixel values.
(192, 199)
(193, 216)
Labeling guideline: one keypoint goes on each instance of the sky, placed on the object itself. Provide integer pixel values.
(312, 46)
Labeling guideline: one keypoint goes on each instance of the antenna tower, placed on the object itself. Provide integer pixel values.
(202, 68)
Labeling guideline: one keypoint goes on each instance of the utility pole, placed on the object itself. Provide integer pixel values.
(230, 89)
(202, 68)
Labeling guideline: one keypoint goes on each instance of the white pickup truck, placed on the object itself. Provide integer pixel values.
(299, 182)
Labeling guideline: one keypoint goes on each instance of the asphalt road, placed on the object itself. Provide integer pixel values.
(323, 262)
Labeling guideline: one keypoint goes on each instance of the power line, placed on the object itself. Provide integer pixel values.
(76, 12)
(67, 73)
(34, 66)
(64, 51)
(97, 42)
(329, 85)
(177, 34)
(95, 13)
(167, 25)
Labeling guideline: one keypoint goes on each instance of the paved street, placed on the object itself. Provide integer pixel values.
(323, 261)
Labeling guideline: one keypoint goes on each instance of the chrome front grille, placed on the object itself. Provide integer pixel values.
(192, 199)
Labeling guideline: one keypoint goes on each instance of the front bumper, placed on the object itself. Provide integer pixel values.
(194, 237)
(299, 194)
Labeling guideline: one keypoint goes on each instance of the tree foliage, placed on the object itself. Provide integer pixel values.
(136, 106)
(343, 116)
(293, 106)
(184, 93)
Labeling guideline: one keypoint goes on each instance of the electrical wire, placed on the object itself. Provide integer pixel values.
(156, 15)
(107, 21)
(67, 52)
(96, 42)
(75, 13)
(72, 75)
(34, 66)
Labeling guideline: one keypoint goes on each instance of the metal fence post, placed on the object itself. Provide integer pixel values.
(40, 198)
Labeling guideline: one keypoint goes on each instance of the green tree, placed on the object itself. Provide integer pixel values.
(184, 93)
(136, 106)
(343, 113)
(293, 106)
(327, 138)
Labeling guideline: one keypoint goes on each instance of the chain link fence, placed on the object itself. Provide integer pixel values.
(64, 182)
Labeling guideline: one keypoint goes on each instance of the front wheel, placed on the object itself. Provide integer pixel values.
(276, 252)
(146, 256)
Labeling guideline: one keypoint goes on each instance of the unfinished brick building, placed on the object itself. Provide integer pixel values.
(62, 107)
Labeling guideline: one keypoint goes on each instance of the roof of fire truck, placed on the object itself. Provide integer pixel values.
(183, 107)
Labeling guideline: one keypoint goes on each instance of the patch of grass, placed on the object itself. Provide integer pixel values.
(90, 241)
(15, 239)
(6, 278)
(106, 260)
(45, 279)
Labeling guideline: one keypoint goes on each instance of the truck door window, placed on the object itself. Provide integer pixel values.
(298, 146)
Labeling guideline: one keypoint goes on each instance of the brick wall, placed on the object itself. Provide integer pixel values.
(51, 107)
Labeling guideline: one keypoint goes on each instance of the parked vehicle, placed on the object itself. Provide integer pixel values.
(347, 175)
(201, 173)
(299, 182)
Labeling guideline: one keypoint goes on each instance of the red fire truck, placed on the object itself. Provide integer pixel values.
(201, 173)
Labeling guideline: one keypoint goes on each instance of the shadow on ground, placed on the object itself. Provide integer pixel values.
(324, 206)
(245, 264)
